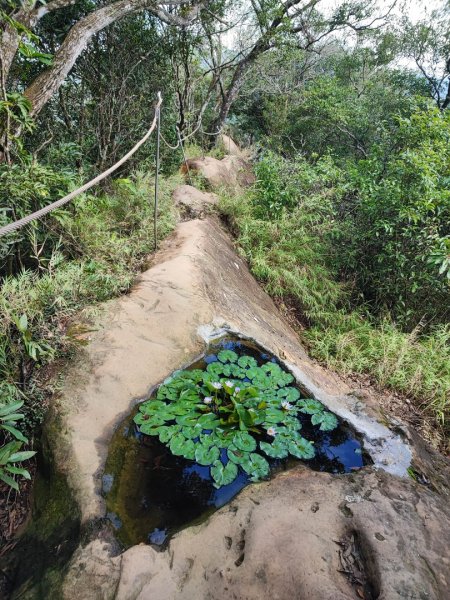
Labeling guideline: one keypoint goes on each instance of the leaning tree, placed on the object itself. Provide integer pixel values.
(19, 20)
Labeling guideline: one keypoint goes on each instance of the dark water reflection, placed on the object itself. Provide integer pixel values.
(151, 493)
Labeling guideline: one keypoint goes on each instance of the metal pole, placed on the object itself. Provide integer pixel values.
(184, 155)
(158, 137)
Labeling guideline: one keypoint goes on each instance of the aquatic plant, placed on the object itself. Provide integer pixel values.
(231, 415)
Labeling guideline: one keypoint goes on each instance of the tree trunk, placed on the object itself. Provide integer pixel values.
(48, 82)
(235, 85)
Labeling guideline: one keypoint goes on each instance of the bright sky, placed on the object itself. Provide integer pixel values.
(414, 9)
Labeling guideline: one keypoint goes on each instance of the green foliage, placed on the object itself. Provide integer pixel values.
(10, 455)
(395, 229)
(202, 414)
(92, 251)
(339, 217)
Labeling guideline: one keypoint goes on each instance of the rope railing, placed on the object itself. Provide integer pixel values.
(62, 201)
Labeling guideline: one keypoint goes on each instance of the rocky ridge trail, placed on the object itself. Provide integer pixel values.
(372, 534)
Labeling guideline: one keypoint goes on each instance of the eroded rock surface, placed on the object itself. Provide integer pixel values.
(230, 147)
(303, 535)
(232, 172)
(193, 202)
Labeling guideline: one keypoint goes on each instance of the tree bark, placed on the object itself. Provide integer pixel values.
(49, 81)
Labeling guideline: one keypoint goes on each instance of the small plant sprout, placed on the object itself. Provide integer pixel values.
(227, 429)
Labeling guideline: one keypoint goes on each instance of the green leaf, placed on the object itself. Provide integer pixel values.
(19, 471)
(177, 443)
(208, 421)
(166, 433)
(302, 449)
(327, 420)
(247, 362)
(255, 373)
(221, 439)
(310, 406)
(227, 356)
(206, 455)
(20, 456)
(271, 369)
(152, 406)
(150, 429)
(215, 368)
(290, 394)
(6, 409)
(237, 456)
(191, 433)
(292, 423)
(257, 467)
(277, 449)
(7, 450)
(9, 480)
(15, 432)
(189, 420)
(150, 423)
(13, 417)
(274, 415)
(223, 475)
(244, 441)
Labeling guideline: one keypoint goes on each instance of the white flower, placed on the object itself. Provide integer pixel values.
(286, 405)
(216, 385)
(229, 383)
(207, 400)
(272, 431)
(237, 390)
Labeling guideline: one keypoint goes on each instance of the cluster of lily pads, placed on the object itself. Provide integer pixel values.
(231, 415)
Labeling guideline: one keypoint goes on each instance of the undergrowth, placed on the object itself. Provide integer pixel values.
(99, 244)
(286, 231)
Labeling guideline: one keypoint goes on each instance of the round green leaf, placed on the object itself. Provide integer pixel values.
(223, 475)
(205, 455)
(244, 441)
(271, 369)
(191, 433)
(227, 356)
(274, 415)
(178, 444)
(237, 456)
(277, 449)
(247, 362)
(165, 433)
(215, 368)
(290, 394)
(149, 429)
(310, 406)
(208, 421)
(327, 420)
(189, 420)
(257, 467)
(301, 448)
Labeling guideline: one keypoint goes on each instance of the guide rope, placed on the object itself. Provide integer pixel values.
(62, 201)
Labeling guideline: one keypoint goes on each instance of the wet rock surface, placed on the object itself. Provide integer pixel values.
(304, 535)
